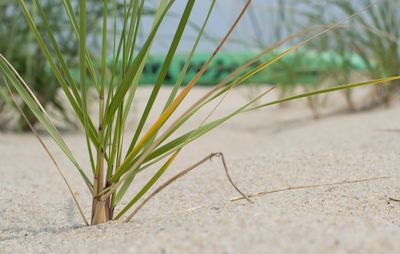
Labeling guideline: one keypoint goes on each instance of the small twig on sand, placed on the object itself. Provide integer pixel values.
(394, 199)
(183, 173)
(262, 193)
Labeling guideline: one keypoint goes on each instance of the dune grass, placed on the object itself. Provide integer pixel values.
(373, 36)
(113, 168)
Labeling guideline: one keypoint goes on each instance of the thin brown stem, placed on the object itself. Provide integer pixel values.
(394, 199)
(244, 196)
(262, 193)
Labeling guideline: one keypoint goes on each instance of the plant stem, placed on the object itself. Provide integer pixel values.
(262, 193)
(100, 209)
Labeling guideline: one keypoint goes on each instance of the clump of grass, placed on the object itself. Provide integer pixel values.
(373, 36)
(376, 36)
(113, 168)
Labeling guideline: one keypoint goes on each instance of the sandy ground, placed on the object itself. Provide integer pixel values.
(267, 149)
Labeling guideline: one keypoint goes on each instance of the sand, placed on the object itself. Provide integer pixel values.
(265, 150)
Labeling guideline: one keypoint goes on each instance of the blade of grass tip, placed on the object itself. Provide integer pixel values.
(49, 154)
(40, 113)
(327, 90)
(173, 106)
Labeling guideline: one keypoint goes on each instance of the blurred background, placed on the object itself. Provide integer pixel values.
(365, 46)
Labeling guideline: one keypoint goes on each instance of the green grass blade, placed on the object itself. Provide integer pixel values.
(34, 105)
(83, 84)
(164, 70)
(327, 90)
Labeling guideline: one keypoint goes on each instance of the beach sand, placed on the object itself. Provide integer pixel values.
(265, 150)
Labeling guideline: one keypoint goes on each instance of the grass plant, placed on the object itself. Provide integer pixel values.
(373, 36)
(115, 157)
